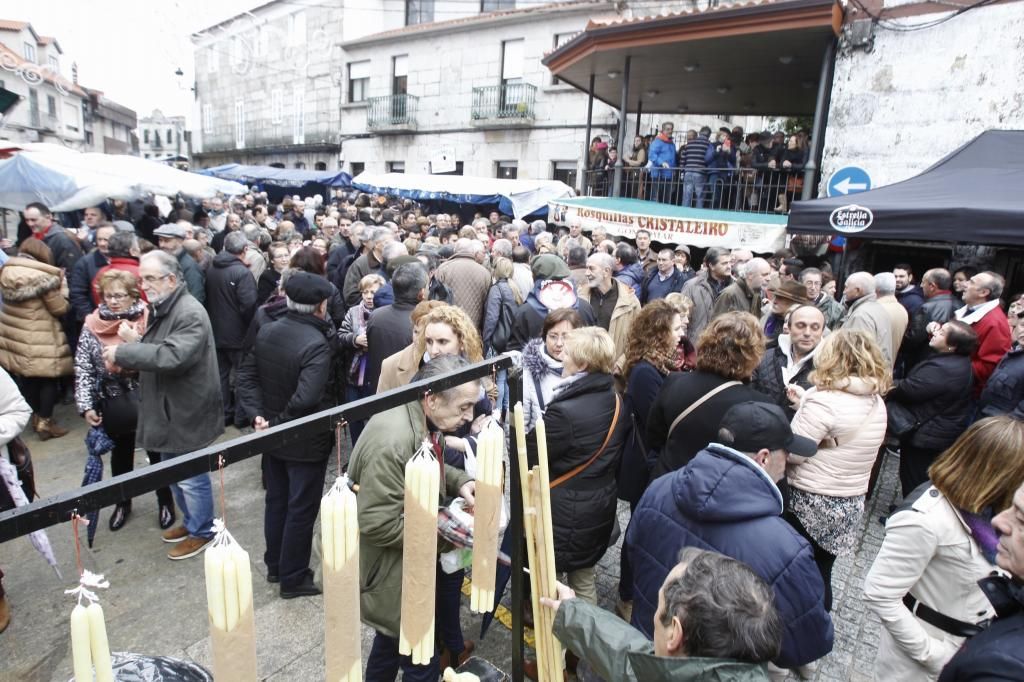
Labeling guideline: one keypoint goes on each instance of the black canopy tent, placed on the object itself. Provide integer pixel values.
(974, 195)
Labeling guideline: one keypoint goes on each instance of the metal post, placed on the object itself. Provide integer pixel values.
(515, 395)
(617, 187)
(821, 107)
(639, 111)
(586, 142)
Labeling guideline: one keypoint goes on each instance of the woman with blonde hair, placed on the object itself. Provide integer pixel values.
(33, 346)
(398, 369)
(844, 412)
(923, 584)
(685, 414)
(105, 393)
(584, 441)
(686, 353)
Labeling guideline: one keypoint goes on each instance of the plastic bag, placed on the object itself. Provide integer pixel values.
(138, 668)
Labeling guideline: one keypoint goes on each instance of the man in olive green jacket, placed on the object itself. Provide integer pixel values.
(389, 440)
(707, 593)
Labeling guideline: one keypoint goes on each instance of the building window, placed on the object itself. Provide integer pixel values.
(72, 116)
(277, 164)
(299, 121)
(459, 166)
(239, 124)
(211, 60)
(564, 171)
(297, 29)
(512, 61)
(88, 137)
(356, 167)
(145, 136)
(496, 5)
(51, 105)
(561, 39)
(419, 12)
(207, 120)
(277, 105)
(29, 52)
(358, 81)
(54, 64)
(395, 166)
(320, 166)
(506, 170)
(300, 165)
(168, 136)
(400, 74)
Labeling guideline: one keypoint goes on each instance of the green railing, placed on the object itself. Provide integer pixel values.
(391, 111)
(507, 101)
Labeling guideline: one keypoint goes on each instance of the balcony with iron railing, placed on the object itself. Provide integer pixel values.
(265, 134)
(508, 103)
(392, 113)
(747, 190)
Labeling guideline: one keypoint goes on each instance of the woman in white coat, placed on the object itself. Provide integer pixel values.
(844, 413)
(938, 544)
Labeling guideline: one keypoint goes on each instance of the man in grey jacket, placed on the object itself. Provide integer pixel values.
(180, 408)
(866, 314)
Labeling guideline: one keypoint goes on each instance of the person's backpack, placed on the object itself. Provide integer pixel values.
(439, 292)
(503, 328)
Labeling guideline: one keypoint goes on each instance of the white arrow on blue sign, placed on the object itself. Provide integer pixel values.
(848, 180)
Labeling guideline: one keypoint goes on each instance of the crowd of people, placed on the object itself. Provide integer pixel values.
(742, 409)
(759, 172)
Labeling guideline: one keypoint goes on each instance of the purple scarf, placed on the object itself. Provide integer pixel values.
(982, 532)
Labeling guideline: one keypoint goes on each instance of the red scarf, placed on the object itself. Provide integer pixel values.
(664, 138)
(105, 332)
(42, 235)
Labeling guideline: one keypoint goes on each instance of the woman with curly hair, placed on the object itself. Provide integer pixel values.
(844, 412)
(685, 414)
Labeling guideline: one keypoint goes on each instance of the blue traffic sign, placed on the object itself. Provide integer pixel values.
(848, 180)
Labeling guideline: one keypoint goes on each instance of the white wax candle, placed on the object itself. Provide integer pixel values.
(327, 531)
(351, 522)
(98, 644)
(81, 654)
(214, 565)
(340, 532)
(244, 573)
(230, 592)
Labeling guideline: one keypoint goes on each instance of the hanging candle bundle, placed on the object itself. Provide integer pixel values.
(229, 604)
(89, 647)
(339, 532)
(419, 555)
(490, 460)
(539, 549)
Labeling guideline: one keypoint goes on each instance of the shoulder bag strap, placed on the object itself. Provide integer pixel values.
(706, 397)
(611, 429)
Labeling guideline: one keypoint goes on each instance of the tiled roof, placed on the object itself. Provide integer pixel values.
(8, 25)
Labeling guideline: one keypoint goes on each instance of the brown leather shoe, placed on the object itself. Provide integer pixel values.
(445, 660)
(174, 534)
(5, 613)
(188, 548)
(47, 429)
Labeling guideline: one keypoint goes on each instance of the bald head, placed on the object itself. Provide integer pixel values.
(858, 285)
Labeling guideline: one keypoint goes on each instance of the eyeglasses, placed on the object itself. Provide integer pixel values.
(116, 297)
(153, 279)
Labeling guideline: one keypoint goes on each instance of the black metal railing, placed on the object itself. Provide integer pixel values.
(506, 101)
(747, 190)
(391, 111)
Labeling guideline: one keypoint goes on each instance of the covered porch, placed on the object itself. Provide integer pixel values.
(769, 59)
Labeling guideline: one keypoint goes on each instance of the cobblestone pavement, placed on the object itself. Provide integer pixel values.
(158, 607)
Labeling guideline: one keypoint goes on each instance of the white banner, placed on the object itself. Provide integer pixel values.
(700, 232)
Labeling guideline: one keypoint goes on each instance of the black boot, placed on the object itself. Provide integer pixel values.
(120, 515)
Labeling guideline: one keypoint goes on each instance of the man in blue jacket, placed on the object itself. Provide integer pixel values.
(662, 159)
(726, 500)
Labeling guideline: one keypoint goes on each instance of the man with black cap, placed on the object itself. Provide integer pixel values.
(273, 388)
(171, 239)
(726, 499)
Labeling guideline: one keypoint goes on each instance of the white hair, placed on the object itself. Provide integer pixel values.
(885, 284)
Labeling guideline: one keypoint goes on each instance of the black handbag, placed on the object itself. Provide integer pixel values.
(901, 421)
(120, 413)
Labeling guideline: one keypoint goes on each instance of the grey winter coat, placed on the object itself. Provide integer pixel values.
(180, 407)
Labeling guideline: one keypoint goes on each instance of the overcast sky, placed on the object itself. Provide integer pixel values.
(129, 49)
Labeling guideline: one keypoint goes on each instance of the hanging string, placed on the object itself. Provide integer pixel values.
(223, 505)
(341, 426)
(75, 520)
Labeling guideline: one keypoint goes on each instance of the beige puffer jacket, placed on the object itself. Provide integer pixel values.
(849, 426)
(32, 341)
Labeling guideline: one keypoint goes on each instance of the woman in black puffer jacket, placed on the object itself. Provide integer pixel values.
(937, 392)
(584, 419)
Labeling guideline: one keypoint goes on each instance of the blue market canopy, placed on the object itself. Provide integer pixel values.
(67, 180)
(517, 198)
(670, 224)
(973, 195)
(281, 177)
